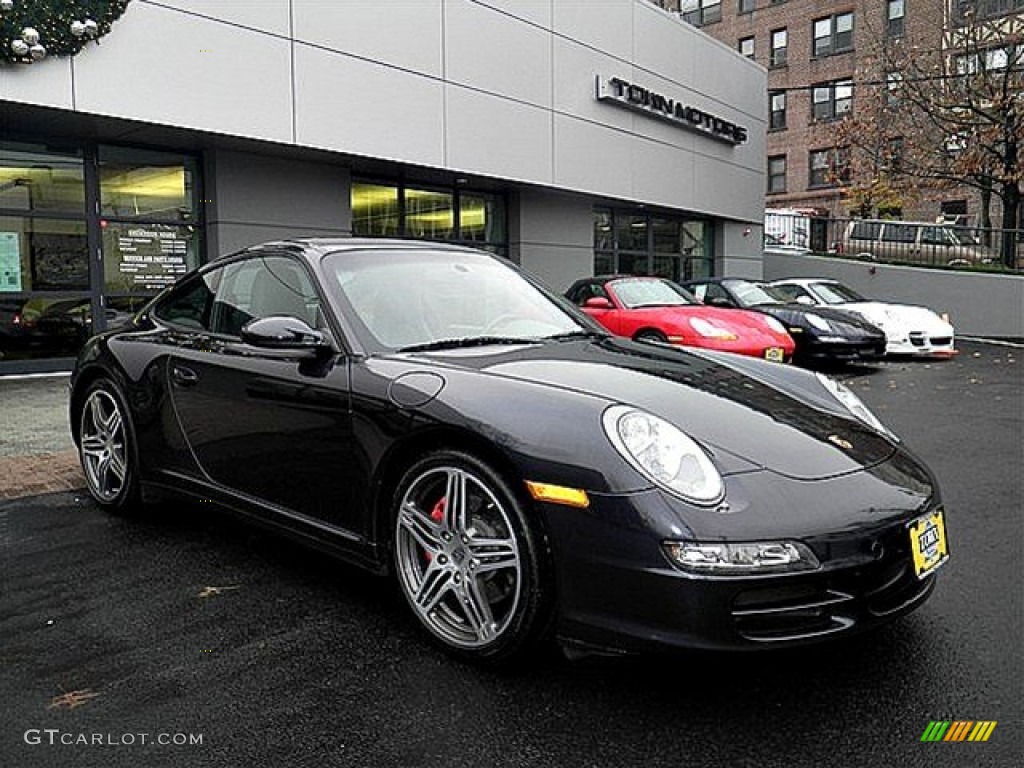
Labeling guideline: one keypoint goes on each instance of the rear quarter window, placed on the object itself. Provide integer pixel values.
(865, 230)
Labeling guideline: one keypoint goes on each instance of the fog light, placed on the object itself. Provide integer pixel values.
(742, 558)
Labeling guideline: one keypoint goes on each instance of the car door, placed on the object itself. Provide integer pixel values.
(269, 424)
(606, 316)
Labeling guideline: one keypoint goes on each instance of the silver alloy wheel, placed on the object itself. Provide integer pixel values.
(457, 557)
(103, 446)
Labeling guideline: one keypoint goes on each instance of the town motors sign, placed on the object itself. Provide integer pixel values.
(622, 93)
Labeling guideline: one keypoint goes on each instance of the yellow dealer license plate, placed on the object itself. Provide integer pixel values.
(778, 354)
(928, 543)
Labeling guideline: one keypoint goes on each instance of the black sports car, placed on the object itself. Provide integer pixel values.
(430, 411)
(820, 333)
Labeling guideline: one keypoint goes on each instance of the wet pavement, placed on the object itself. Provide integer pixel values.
(188, 623)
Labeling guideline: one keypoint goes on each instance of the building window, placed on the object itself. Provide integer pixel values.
(747, 6)
(966, 11)
(462, 216)
(776, 174)
(894, 155)
(829, 167)
(746, 47)
(895, 14)
(776, 110)
(635, 242)
(701, 12)
(831, 100)
(780, 40)
(893, 84)
(833, 34)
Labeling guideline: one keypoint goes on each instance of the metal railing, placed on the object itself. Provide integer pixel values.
(929, 244)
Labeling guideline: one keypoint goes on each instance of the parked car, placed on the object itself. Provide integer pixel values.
(914, 242)
(432, 412)
(656, 309)
(776, 244)
(909, 330)
(820, 333)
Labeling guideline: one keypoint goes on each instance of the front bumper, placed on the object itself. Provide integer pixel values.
(854, 349)
(619, 591)
(921, 343)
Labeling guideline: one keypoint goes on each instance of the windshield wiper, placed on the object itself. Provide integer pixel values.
(469, 341)
(570, 335)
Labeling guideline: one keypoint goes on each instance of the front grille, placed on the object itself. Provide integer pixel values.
(941, 341)
(824, 604)
(917, 339)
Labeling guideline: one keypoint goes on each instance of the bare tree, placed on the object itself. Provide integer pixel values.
(943, 108)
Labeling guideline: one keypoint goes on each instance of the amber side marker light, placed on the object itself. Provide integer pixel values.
(558, 494)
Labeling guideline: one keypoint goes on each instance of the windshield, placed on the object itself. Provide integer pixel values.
(834, 293)
(635, 294)
(753, 294)
(405, 298)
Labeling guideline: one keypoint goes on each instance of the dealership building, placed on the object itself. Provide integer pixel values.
(571, 137)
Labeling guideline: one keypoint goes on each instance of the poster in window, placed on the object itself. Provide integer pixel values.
(10, 262)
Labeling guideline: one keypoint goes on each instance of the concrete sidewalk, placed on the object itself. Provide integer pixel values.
(36, 451)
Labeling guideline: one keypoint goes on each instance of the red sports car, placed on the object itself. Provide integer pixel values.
(655, 309)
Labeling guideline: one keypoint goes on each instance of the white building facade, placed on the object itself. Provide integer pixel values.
(571, 137)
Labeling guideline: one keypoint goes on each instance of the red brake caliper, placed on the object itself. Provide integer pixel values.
(437, 515)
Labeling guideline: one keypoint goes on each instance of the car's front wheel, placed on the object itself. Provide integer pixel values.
(106, 448)
(469, 561)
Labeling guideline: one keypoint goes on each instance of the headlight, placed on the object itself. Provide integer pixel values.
(710, 331)
(662, 453)
(818, 322)
(775, 325)
(752, 557)
(853, 404)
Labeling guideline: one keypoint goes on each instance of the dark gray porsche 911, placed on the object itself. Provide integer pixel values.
(430, 411)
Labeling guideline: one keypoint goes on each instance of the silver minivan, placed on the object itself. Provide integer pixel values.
(914, 242)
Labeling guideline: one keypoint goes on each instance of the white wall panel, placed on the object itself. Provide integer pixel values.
(47, 83)
(667, 45)
(728, 190)
(497, 53)
(350, 105)
(575, 70)
(534, 11)
(592, 158)
(498, 137)
(404, 33)
(606, 25)
(265, 15)
(163, 66)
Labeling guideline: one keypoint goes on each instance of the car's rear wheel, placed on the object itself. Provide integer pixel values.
(469, 562)
(649, 334)
(106, 448)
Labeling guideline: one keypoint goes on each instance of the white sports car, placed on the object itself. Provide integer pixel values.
(909, 330)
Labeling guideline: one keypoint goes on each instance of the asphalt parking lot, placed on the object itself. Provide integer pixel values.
(189, 623)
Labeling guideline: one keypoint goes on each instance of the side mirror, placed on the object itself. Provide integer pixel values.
(598, 302)
(283, 332)
(720, 301)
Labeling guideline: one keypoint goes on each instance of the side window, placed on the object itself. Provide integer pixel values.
(190, 304)
(261, 287)
(899, 233)
(715, 291)
(791, 292)
(936, 236)
(865, 230)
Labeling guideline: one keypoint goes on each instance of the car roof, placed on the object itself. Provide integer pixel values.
(804, 280)
(334, 244)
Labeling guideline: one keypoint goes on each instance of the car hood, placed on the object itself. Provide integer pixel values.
(738, 320)
(905, 316)
(779, 418)
(847, 323)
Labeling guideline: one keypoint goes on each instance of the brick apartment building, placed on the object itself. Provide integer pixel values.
(823, 56)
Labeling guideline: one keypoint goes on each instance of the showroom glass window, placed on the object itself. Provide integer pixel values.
(147, 221)
(641, 243)
(135, 210)
(454, 215)
(45, 304)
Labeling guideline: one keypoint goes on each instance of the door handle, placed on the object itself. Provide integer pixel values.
(184, 377)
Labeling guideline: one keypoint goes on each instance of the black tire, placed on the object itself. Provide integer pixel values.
(120, 496)
(649, 335)
(429, 566)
